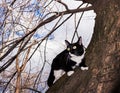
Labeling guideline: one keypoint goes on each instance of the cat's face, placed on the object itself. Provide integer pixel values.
(76, 49)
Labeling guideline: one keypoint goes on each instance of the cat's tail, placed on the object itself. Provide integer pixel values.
(51, 78)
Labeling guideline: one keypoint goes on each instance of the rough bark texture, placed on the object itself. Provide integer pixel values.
(103, 55)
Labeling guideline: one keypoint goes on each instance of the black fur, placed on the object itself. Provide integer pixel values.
(64, 62)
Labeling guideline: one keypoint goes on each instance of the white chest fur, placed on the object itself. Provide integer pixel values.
(77, 59)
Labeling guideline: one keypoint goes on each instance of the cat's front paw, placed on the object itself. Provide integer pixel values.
(70, 73)
(84, 68)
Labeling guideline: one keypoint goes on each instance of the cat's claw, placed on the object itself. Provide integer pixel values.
(70, 73)
(84, 68)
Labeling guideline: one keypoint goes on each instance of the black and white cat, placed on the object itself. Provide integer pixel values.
(66, 61)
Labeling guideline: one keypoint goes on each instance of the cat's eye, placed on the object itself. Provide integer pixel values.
(74, 47)
(68, 49)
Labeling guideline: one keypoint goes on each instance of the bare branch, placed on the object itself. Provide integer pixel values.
(48, 20)
(59, 1)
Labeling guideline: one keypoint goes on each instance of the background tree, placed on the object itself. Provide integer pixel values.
(103, 55)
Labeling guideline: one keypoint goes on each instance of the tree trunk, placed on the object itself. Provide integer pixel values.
(103, 55)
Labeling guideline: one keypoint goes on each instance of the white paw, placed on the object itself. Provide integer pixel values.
(70, 73)
(84, 68)
(74, 67)
(58, 73)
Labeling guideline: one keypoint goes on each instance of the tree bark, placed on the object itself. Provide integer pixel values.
(103, 55)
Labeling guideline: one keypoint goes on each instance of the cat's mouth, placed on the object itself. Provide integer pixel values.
(72, 55)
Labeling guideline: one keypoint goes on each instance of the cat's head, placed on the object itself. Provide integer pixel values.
(76, 49)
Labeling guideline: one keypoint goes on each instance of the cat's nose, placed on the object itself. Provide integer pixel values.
(72, 52)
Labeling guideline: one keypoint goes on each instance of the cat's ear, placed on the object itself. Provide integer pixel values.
(67, 43)
(79, 40)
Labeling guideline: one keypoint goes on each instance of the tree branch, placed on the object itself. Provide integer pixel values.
(59, 1)
(48, 20)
